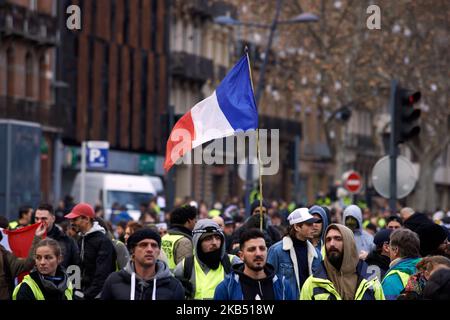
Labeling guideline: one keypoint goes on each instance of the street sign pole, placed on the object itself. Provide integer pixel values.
(83, 170)
(393, 152)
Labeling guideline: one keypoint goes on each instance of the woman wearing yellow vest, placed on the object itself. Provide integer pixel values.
(48, 280)
(201, 274)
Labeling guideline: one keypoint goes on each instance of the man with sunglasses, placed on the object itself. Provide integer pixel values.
(201, 273)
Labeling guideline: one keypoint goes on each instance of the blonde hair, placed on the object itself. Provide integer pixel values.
(53, 244)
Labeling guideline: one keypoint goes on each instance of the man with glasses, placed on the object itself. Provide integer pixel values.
(319, 226)
(378, 260)
(404, 251)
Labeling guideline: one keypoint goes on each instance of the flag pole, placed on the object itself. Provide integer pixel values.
(261, 215)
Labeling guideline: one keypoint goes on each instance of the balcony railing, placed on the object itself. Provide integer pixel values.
(18, 21)
(192, 67)
(25, 110)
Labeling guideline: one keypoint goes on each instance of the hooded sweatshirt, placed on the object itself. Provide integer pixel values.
(201, 225)
(345, 279)
(364, 240)
(320, 211)
(163, 286)
(98, 260)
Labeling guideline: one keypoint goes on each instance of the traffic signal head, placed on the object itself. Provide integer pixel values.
(406, 116)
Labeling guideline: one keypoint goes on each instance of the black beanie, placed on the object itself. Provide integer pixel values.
(142, 234)
(255, 205)
(431, 236)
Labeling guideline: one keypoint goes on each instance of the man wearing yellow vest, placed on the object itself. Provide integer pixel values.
(177, 243)
(341, 275)
(210, 263)
(404, 247)
(25, 215)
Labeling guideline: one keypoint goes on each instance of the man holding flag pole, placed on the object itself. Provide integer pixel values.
(230, 109)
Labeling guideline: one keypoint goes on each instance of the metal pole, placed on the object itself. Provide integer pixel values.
(273, 27)
(297, 169)
(393, 152)
(83, 171)
(170, 174)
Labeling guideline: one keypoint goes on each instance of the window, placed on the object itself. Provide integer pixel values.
(42, 79)
(29, 75)
(10, 76)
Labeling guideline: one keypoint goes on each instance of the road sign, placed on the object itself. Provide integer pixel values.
(352, 181)
(97, 154)
(406, 177)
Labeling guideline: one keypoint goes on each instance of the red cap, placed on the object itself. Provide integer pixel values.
(81, 209)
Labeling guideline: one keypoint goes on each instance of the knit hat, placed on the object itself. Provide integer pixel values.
(382, 236)
(431, 236)
(255, 205)
(142, 234)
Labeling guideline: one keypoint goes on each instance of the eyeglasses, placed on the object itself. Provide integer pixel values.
(318, 221)
(258, 212)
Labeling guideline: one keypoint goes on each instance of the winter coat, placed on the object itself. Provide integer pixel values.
(283, 258)
(71, 253)
(11, 266)
(377, 264)
(438, 285)
(163, 286)
(98, 260)
(417, 221)
(230, 288)
(50, 290)
(363, 239)
(393, 284)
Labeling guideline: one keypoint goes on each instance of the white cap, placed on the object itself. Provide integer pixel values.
(301, 215)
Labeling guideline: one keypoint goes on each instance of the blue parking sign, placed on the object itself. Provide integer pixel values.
(97, 154)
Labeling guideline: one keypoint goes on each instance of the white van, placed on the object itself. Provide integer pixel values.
(124, 189)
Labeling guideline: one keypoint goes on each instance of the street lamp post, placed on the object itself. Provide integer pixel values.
(302, 18)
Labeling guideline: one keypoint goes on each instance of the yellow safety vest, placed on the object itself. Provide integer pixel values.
(37, 291)
(307, 292)
(205, 284)
(168, 245)
(404, 277)
(13, 225)
(213, 213)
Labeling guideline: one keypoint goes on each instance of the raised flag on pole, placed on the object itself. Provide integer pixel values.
(229, 109)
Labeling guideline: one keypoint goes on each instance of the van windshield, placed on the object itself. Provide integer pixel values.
(131, 200)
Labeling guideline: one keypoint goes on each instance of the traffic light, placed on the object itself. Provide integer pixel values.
(406, 116)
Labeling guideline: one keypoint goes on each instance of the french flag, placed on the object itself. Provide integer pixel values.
(229, 109)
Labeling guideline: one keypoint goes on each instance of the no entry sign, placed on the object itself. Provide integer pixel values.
(352, 181)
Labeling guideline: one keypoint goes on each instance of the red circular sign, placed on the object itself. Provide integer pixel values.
(353, 182)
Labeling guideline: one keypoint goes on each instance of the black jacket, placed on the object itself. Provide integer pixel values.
(98, 260)
(377, 263)
(118, 285)
(50, 290)
(417, 221)
(71, 254)
(252, 288)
